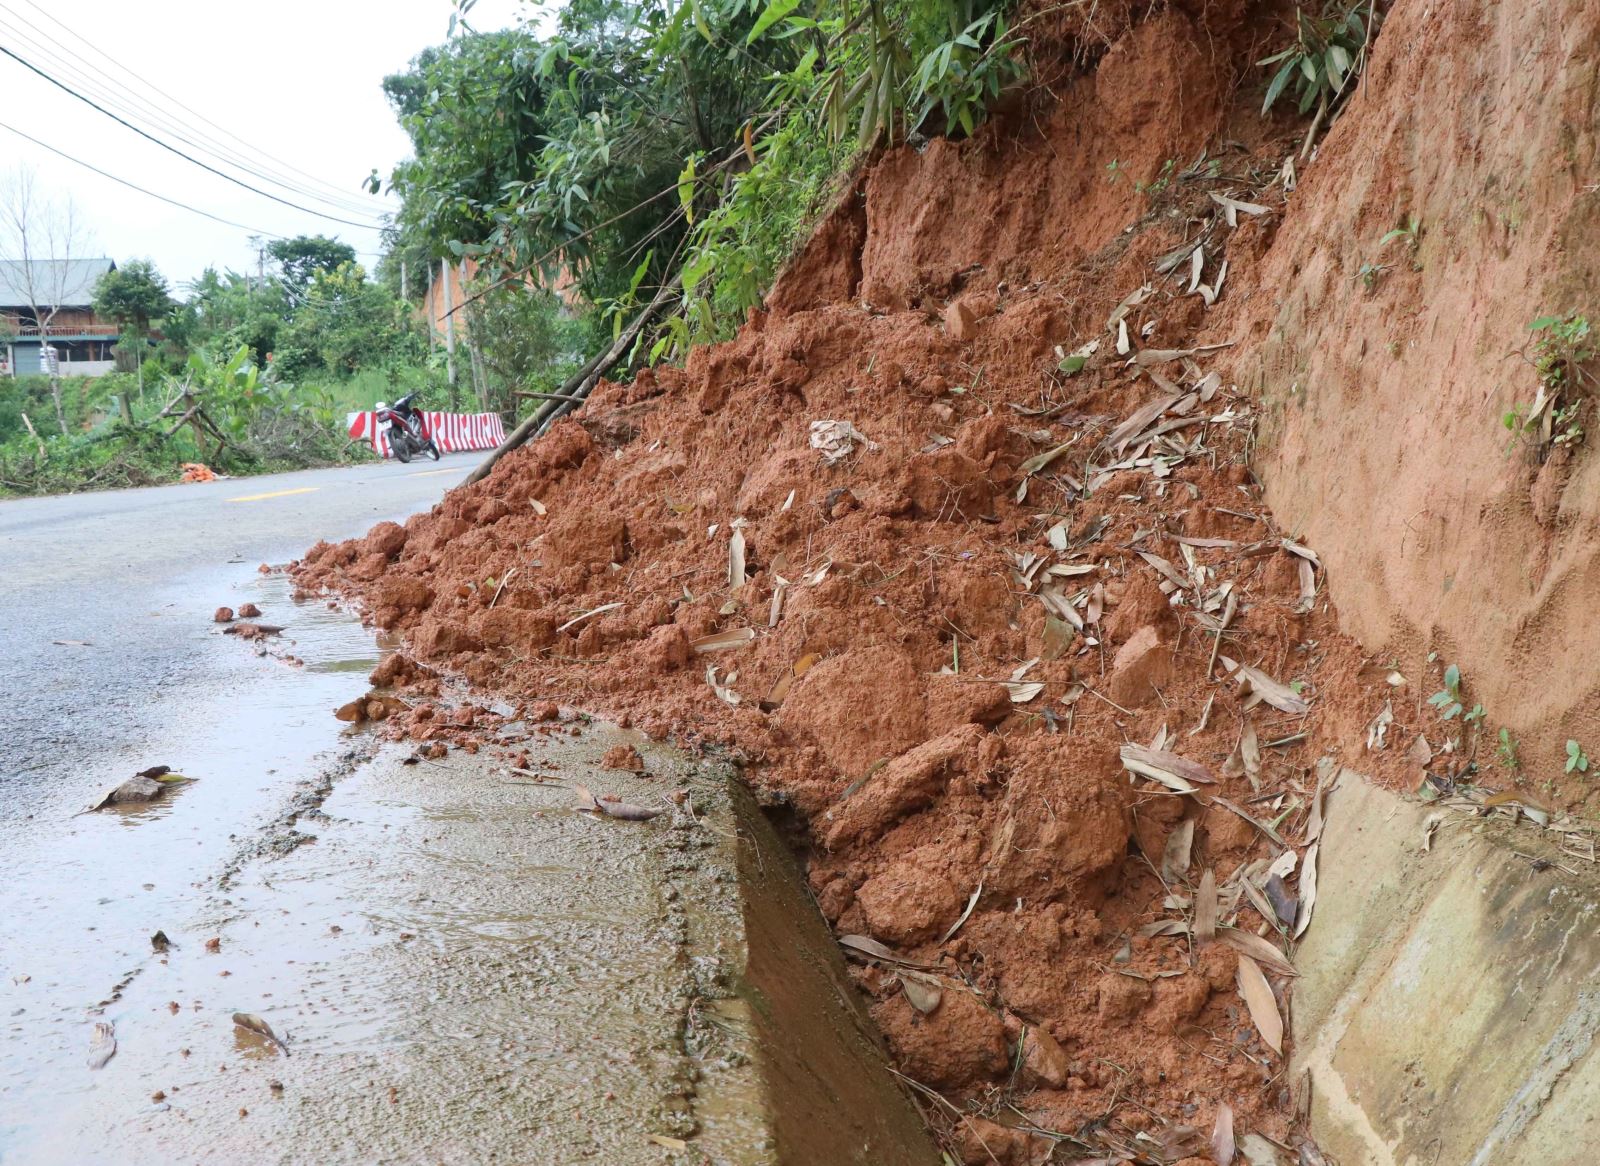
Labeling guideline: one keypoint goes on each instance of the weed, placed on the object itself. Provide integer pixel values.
(1507, 750)
(1409, 231)
(1559, 350)
(1577, 759)
(1114, 170)
(1448, 700)
(1329, 51)
(1162, 180)
(1370, 273)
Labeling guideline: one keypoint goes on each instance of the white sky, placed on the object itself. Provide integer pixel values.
(299, 80)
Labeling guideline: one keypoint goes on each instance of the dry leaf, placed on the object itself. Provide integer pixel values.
(1263, 1005)
(1173, 575)
(723, 691)
(1428, 828)
(538, 507)
(718, 641)
(1308, 889)
(1421, 752)
(102, 1045)
(1222, 1148)
(668, 1143)
(956, 926)
(1023, 693)
(1263, 687)
(836, 440)
(1261, 950)
(1378, 727)
(1169, 769)
(866, 945)
(1123, 346)
(922, 992)
(736, 559)
(1163, 927)
(250, 1022)
(1175, 858)
(590, 614)
(1205, 909)
(1040, 460)
(1137, 420)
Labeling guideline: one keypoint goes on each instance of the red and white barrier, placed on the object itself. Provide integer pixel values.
(451, 432)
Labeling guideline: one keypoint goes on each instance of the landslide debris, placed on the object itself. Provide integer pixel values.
(1043, 545)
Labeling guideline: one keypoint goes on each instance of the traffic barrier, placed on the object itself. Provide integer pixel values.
(451, 432)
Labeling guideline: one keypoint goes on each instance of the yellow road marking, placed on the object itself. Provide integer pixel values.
(276, 494)
(425, 473)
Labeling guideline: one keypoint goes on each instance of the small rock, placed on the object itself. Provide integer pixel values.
(137, 789)
(959, 321)
(223, 615)
(248, 611)
(623, 757)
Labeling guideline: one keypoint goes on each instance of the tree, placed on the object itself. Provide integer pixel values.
(302, 257)
(43, 231)
(133, 295)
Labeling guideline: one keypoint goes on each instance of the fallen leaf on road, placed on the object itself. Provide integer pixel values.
(102, 1045)
(250, 1022)
(867, 946)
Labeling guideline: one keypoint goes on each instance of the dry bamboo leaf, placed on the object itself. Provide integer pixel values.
(102, 1045)
(972, 902)
(788, 502)
(1040, 460)
(922, 992)
(1258, 949)
(1165, 568)
(1378, 727)
(250, 1022)
(1163, 927)
(1252, 819)
(538, 507)
(1428, 828)
(1222, 1147)
(779, 591)
(1132, 300)
(1162, 766)
(1300, 551)
(1162, 355)
(1123, 344)
(1023, 693)
(1136, 421)
(1208, 386)
(1197, 266)
(1176, 856)
(1308, 587)
(590, 614)
(1308, 889)
(723, 691)
(1263, 1005)
(867, 946)
(665, 1142)
(1260, 685)
(719, 641)
(1205, 909)
(736, 559)
(1258, 900)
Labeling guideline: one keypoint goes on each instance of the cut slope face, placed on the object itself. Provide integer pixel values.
(936, 645)
(1384, 405)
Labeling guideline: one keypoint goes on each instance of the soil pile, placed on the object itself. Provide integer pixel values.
(958, 546)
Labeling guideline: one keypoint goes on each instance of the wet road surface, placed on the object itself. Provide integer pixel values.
(464, 970)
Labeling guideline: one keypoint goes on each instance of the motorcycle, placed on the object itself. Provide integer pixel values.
(408, 429)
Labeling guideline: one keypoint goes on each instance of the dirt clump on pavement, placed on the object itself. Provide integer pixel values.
(957, 545)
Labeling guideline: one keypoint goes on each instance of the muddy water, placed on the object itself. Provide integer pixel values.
(463, 969)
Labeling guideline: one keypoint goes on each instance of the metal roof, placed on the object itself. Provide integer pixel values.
(72, 280)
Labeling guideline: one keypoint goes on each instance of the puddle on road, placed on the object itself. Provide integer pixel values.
(463, 966)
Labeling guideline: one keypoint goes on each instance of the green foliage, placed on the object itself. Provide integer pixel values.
(1577, 759)
(1449, 700)
(1507, 751)
(694, 139)
(524, 340)
(1328, 52)
(134, 295)
(304, 257)
(1410, 232)
(1560, 349)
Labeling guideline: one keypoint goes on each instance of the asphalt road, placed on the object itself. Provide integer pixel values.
(465, 968)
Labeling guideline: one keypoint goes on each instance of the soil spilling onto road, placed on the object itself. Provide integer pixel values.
(958, 546)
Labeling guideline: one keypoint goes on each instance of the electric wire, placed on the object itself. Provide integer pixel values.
(171, 148)
(150, 110)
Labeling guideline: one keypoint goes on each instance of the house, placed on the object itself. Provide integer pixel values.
(71, 335)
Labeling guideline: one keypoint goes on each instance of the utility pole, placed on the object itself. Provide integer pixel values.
(449, 322)
(403, 296)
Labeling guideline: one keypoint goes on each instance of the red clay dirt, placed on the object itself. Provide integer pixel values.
(915, 685)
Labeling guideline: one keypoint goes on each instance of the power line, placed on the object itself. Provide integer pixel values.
(137, 106)
(158, 197)
(133, 186)
(173, 149)
(178, 103)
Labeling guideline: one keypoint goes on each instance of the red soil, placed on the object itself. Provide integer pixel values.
(890, 602)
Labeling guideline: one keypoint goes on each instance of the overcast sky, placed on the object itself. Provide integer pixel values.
(297, 80)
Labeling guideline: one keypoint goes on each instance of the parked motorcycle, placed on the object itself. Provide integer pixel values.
(408, 429)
